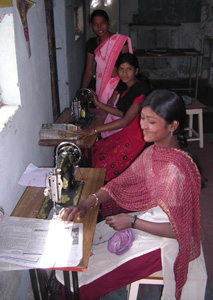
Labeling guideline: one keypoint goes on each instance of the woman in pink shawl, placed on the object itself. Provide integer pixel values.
(104, 49)
(163, 180)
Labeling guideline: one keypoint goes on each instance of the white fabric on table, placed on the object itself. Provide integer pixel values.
(102, 261)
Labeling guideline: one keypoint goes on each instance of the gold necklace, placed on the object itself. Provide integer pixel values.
(103, 58)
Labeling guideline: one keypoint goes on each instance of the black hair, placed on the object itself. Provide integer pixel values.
(133, 61)
(169, 106)
(127, 58)
(99, 12)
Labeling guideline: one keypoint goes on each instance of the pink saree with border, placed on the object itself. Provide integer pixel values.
(106, 55)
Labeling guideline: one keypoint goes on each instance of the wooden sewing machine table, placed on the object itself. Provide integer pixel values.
(29, 206)
(83, 144)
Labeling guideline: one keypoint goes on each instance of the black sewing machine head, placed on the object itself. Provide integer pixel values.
(85, 97)
(81, 104)
(61, 182)
(67, 157)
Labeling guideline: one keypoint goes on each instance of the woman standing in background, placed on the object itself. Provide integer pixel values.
(104, 49)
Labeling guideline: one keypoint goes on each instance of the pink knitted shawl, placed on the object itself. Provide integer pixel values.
(167, 178)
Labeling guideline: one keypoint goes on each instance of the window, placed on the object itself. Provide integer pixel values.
(9, 90)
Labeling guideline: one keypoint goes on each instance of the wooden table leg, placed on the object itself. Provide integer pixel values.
(42, 279)
(75, 285)
(67, 285)
(89, 153)
(34, 284)
(86, 158)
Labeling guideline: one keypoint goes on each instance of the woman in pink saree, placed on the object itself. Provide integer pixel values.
(104, 49)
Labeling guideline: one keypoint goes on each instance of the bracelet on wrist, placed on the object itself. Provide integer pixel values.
(96, 200)
(95, 130)
(134, 218)
(99, 105)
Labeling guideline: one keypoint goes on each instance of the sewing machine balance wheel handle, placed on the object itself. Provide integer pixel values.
(70, 148)
(84, 94)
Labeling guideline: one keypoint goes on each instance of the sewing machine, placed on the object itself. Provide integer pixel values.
(61, 182)
(81, 103)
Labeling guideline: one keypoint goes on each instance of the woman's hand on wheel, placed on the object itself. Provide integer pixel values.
(96, 102)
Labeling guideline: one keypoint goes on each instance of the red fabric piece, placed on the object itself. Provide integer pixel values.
(135, 269)
(168, 178)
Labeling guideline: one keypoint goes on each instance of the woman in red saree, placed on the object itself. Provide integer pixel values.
(104, 49)
(116, 152)
(165, 181)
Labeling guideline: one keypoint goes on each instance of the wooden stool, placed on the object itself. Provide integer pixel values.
(195, 108)
(155, 278)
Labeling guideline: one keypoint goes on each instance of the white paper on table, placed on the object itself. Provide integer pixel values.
(34, 176)
(37, 243)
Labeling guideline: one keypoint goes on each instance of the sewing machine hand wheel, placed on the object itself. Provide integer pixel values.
(68, 148)
(84, 95)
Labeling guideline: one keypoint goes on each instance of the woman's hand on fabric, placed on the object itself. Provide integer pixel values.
(67, 214)
(119, 222)
(84, 133)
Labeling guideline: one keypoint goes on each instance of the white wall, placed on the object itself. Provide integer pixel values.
(19, 139)
(61, 52)
(71, 53)
(75, 49)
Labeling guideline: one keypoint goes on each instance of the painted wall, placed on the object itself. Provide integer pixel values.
(19, 139)
(70, 52)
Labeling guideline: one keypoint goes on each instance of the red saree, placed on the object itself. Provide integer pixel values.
(116, 152)
(168, 178)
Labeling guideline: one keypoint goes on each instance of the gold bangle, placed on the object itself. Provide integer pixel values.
(96, 200)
